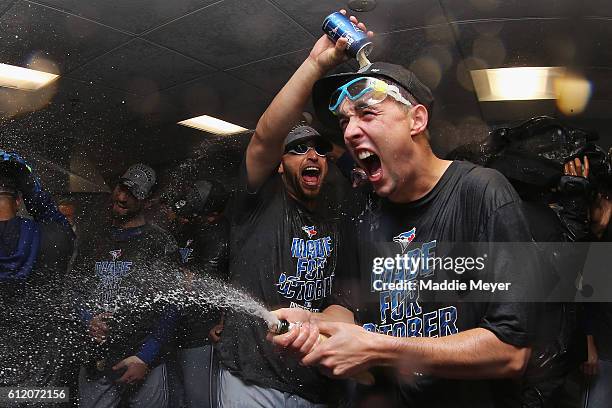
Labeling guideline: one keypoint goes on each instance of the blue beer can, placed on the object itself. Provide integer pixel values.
(337, 25)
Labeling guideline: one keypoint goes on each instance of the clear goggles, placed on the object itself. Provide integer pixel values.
(320, 149)
(364, 91)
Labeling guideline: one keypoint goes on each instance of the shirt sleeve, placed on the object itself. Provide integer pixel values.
(160, 334)
(247, 203)
(42, 208)
(512, 258)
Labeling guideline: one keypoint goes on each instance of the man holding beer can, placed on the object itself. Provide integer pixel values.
(450, 353)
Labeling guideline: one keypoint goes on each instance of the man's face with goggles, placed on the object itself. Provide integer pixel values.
(304, 167)
(376, 130)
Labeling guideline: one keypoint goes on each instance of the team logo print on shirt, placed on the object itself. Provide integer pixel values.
(110, 275)
(186, 252)
(310, 231)
(400, 310)
(312, 277)
(115, 254)
(405, 238)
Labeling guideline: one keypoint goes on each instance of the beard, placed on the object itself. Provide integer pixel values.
(292, 183)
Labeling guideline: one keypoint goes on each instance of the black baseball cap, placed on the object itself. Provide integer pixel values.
(304, 133)
(139, 179)
(200, 197)
(324, 87)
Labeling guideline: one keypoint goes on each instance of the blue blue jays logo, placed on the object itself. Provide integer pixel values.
(405, 238)
(310, 231)
(115, 254)
(186, 252)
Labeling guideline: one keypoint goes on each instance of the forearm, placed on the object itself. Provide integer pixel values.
(286, 108)
(473, 354)
(335, 313)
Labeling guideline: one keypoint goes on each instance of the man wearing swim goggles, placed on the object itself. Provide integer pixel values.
(446, 347)
(364, 91)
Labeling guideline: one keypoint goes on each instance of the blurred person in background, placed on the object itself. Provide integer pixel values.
(118, 269)
(594, 225)
(34, 256)
(202, 234)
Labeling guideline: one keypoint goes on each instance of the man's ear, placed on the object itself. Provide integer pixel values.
(281, 170)
(420, 118)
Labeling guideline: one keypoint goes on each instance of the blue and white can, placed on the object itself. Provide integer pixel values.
(337, 25)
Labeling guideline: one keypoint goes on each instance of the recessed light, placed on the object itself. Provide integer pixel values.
(213, 125)
(515, 84)
(24, 78)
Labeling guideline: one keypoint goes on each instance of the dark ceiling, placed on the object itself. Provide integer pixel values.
(130, 69)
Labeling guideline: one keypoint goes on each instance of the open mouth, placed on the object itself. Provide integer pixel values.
(311, 175)
(370, 162)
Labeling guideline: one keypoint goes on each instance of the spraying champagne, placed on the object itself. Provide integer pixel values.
(282, 326)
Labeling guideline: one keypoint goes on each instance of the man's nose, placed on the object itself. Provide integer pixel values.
(352, 131)
(312, 155)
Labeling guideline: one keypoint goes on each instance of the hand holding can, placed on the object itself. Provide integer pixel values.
(337, 25)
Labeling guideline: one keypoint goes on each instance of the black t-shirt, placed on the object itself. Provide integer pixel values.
(469, 204)
(121, 271)
(32, 321)
(284, 256)
(204, 251)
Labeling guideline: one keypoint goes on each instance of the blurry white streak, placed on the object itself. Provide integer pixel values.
(212, 125)
(24, 78)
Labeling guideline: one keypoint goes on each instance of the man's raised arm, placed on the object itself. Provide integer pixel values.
(266, 146)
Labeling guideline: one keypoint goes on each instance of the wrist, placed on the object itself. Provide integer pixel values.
(314, 65)
(382, 349)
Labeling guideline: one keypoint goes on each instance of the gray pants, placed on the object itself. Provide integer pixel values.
(104, 392)
(600, 388)
(195, 366)
(234, 393)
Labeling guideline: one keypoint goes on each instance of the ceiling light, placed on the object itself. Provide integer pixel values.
(212, 125)
(516, 84)
(24, 78)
